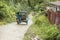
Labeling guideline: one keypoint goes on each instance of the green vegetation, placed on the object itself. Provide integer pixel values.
(7, 13)
(41, 25)
(43, 29)
(8, 8)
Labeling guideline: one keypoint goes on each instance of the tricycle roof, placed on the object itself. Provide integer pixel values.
(55, 3)
(22, 13)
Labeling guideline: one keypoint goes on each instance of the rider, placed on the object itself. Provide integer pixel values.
(18, 16)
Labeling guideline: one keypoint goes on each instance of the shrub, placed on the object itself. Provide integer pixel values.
(45, 29)
(7, 12)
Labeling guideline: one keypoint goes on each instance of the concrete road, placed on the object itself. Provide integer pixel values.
(12, 31)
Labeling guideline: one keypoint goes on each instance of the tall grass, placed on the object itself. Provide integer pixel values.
(43, 29)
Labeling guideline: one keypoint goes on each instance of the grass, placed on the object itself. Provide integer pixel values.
(7, 20)
(42, 28)
(1, 23)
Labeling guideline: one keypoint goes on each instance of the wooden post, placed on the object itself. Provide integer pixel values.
(53, 17)
(48, 14)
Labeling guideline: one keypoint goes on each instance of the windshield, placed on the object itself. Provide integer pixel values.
(22, 13)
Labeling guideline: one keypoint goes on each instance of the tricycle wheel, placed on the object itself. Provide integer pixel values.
(17, 22)
(26, 22)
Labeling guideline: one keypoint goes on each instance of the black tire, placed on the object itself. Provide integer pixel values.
(26, 22)
(17, 22)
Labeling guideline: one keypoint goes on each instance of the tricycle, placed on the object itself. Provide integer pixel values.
(21, 17)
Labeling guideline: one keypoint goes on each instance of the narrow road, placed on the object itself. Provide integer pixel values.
(12, 31)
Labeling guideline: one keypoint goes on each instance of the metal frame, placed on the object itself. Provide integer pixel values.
(55, 4)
